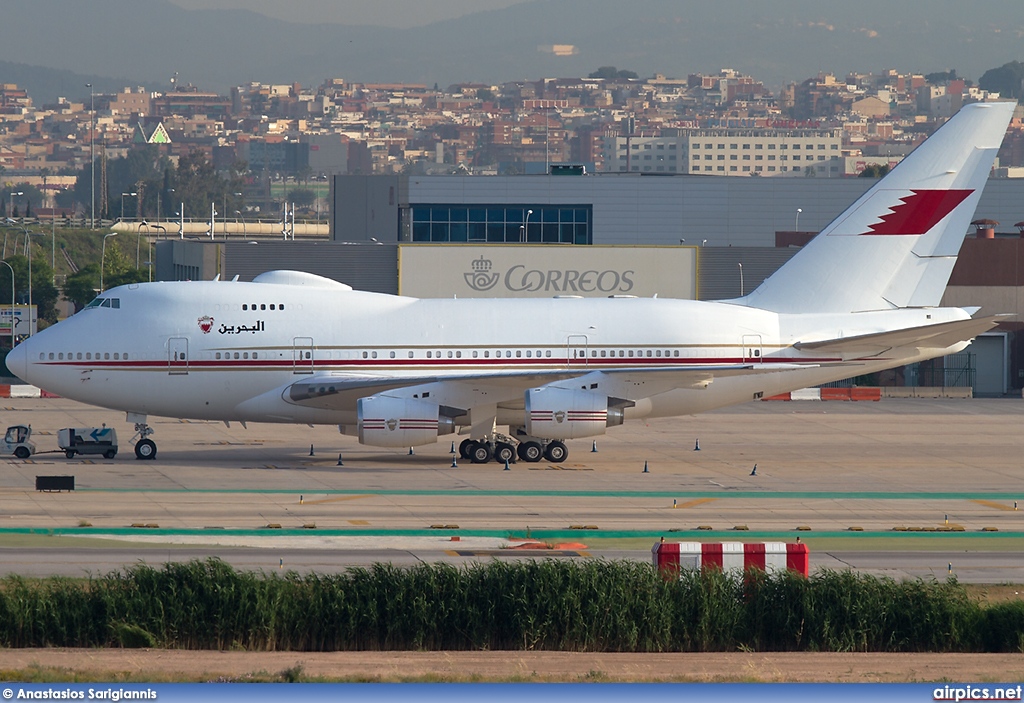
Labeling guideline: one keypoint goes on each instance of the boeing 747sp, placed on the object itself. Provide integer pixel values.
(292, 347)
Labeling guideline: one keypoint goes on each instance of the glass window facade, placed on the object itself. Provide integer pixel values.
(554, 224)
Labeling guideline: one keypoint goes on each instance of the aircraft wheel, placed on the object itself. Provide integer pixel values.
(479, 453)
(504, 452)
(145, 449)
(464, 448)
(110, 453)
(69, 453)
(556, 452)
(22, 453)
(530, 451)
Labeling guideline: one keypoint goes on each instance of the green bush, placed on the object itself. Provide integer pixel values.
(501, 605)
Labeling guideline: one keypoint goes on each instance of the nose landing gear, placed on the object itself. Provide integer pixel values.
(145, 448)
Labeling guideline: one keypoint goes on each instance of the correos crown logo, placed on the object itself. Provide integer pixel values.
(481, 278)
(520, 279)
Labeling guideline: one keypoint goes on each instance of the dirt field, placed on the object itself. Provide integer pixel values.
(167, 665)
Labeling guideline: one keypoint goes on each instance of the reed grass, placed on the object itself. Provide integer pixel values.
(501, 605)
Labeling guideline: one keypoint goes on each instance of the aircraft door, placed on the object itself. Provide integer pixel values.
(177, 356)
(576, 350)
(302, 355)
(752, 350)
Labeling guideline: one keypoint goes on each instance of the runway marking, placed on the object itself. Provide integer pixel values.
(336, 499)
(694, 503)
(483, 493)
(552, 467)
(515, 553)
(358, 522)
(226, 443)
(992, 504)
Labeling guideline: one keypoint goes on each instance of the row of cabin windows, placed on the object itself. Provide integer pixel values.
(529, 353)
(88, 356)
(508, 354)
(262, 306)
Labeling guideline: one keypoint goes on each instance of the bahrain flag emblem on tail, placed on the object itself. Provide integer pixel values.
(918, 212)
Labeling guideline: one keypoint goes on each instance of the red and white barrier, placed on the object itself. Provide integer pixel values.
(19, 391)
(23, 390)
(855, 393)
(732, 556)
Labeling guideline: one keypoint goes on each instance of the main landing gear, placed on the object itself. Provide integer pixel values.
(145, 448)
(502, 448)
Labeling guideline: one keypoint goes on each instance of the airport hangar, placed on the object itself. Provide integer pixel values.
(705, 237)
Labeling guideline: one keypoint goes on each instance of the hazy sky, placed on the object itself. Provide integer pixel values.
(388, 13)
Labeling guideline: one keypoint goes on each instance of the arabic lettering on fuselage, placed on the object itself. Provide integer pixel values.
(240, 329)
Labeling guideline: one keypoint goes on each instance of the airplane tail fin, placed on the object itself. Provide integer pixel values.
(896, 246)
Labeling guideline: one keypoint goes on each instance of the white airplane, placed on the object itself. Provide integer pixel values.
(291, 347)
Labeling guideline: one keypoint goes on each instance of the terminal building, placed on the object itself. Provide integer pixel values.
(711, 238)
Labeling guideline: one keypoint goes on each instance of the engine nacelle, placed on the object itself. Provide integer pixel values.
(400, 422)
(561, 413)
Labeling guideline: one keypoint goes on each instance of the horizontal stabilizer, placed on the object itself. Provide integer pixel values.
(937, 336)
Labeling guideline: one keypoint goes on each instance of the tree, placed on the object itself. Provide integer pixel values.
(302, 197)
(1007, 80)
(197, 184)
(80, 288)
(44, 293)
(606, 72)
(941, 77)
(118, 269)
(874, 171)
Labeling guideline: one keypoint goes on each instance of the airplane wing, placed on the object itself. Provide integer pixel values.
(506, 388)
(938, 336)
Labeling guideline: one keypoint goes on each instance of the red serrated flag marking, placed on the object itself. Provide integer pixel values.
(919, 212)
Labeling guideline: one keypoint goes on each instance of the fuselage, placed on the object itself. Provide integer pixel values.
(205, 350)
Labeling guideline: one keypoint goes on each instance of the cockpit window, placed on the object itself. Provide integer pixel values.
(104, 303)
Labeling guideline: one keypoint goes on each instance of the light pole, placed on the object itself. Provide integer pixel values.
(29, 243)
(53, 244)
(150, 242)
(10, 208)
(92, 156)
(15, 223)
(213, 218)
(122, 203)
(138, 241)
(103, 256)
(7, 224)
(526, 226)
(12, 300)
(224, 208)
(242, 219)
(796, 225)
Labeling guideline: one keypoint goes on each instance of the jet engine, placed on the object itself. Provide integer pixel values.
(384, 421)
(562, 413)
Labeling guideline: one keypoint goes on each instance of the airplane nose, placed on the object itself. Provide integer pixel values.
(17, 361)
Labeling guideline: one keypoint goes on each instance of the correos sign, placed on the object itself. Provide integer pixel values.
(503, 271)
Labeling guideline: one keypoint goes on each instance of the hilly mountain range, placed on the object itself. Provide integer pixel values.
(145, 42)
